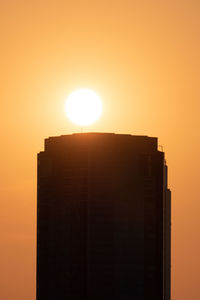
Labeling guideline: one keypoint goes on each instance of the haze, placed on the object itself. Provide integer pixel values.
(142, 57)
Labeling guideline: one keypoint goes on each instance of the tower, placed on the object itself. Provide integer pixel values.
(103, 219)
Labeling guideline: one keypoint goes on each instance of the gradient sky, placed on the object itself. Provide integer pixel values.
(142, 57)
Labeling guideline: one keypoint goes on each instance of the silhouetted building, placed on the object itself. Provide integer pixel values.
(103, 223)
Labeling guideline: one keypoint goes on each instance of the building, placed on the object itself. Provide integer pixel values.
(103, 219)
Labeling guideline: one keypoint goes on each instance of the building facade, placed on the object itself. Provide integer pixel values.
(103, 219)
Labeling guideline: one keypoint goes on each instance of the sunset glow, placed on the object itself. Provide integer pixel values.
(83, 107)
(142, 58)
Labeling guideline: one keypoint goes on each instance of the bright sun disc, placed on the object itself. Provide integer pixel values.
(83, 107)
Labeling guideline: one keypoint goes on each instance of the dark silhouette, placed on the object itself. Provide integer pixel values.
(103, 223)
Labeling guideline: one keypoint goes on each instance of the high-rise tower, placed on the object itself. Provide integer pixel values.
(103, 222)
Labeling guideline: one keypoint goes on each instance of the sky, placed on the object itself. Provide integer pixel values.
(142, 58)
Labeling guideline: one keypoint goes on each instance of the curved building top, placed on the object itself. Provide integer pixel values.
(98, 141)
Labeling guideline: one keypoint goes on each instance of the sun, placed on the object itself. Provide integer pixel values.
(83, 107)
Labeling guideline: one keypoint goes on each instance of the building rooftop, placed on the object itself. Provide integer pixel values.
(100, 140)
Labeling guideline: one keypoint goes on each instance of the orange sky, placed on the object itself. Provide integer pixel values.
(142, 57)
